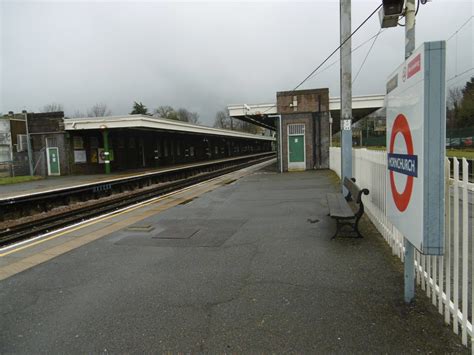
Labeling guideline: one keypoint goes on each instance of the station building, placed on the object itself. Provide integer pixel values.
(303, 122)
(63, 146)
(140, 141)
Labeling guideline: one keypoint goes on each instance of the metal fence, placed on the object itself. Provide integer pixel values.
(446, 279)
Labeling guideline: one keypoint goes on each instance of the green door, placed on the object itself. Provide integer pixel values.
(296, 145)
(53, 161)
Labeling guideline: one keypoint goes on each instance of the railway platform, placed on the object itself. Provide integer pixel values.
(242, 263)
(52, 183)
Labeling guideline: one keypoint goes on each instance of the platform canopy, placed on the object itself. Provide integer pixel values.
(260, 114)
(153, 123)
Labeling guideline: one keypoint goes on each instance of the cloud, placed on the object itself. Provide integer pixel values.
(197, 55)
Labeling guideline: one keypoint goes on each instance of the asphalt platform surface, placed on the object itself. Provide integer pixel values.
(249, 267)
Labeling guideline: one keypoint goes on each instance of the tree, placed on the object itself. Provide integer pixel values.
(222, 120)
(466, 107)
(78, 114)
(247, 127)
(52, 107)
(187, 116)
(99, 110)
(166, 112)
(453, 101)
(139, 109)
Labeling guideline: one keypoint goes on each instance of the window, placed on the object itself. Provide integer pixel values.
(4, 153)
(21, 143)
(51, 142)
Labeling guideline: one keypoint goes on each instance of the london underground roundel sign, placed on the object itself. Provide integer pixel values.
(406, 164)
(416, 139)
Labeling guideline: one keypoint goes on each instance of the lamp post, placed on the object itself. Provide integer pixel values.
(28, 144)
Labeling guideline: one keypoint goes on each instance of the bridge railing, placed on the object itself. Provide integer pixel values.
(448, 279)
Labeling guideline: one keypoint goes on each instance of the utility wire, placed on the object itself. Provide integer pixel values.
(332, 53)
(352, 51)
(460, 74)
(460, 28)
(366, 56)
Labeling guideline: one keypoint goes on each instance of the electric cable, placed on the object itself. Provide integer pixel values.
(332, 53)
(366, 56)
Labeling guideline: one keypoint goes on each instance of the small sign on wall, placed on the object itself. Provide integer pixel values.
(80, 156)
(347, 125)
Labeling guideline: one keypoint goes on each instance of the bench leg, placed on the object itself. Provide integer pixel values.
(338, 228)
(356, 228)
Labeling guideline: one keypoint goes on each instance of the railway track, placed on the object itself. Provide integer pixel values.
(111, 202)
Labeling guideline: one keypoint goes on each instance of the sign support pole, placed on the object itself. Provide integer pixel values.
(409, 264)
(346, 91)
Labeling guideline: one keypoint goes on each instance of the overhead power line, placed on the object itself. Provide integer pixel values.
(352, 51)
(332, 53)
(339, 47)
(460, 74)
(460, 28)
(366, 56)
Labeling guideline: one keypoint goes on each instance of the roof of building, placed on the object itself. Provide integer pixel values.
(261, 114)
(149, 122)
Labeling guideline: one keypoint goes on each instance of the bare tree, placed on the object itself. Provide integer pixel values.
(453, 102)
(246, 127)
(99, 110)
(78, 114)
(166, 112)
(187, 116)
(52, 107)
(454, 97)
(222, 120)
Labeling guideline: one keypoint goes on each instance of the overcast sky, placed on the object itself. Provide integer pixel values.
(200, 55)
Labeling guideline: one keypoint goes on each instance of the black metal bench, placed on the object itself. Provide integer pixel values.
(341, 211)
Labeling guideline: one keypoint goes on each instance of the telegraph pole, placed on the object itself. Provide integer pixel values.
(346, 90)
(409, 263)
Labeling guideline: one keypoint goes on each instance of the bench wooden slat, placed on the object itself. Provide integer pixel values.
(338, 206)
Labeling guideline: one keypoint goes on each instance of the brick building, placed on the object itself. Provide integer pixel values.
(304, 131)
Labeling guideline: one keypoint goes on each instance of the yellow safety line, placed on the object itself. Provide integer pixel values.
(102, 219)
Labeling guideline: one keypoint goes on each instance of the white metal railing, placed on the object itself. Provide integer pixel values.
(448, 279)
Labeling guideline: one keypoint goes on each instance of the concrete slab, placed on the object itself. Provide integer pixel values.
(264, 278)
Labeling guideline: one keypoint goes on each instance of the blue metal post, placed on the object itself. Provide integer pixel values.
(409, 271)
(409, 248)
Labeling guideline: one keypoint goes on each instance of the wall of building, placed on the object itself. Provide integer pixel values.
(145, 149)
(47, 130)
(312, 110)
(314, 100)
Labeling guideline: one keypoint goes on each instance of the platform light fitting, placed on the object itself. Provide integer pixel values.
(390, 11)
